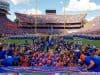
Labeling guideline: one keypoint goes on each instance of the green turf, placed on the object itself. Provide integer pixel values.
(92, 42)
(17, 41)
(84, 41)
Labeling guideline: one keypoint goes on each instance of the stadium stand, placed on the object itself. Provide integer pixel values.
(48, 53)
(94, 29)
(48, 20)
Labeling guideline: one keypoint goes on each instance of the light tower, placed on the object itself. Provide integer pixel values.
(4, 7)
(65, 20)
(36, 14)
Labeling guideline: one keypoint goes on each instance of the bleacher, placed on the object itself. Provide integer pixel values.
(55, 20)
(94, 29)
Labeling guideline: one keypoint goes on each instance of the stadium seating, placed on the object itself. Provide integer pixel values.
(51, 19)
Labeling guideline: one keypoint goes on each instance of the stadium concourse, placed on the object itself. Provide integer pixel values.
(48, 52)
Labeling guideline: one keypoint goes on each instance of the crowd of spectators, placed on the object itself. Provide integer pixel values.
(46, 21)
(50, 52)
(9, 28)
(94, 28)
(43, 19)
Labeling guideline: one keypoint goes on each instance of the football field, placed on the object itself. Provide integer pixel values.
(29, 41)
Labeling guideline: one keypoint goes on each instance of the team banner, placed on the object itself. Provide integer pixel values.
(44, 71)
(41, 69)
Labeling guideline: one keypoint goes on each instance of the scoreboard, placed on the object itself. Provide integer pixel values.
(51, 11)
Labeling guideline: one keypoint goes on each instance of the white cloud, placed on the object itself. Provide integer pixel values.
(30, 11)
(24, 11)
(82, 5)
(12, 17)
(61, 2)
(20, 1)
(90, 18)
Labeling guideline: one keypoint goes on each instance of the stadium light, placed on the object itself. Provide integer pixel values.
(36, 12)
(64, 15)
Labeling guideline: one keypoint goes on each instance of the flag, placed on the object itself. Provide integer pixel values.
(51, 29)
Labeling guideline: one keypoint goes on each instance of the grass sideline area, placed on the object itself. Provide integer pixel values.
(91, 42)
(84, 41)
(17, 41)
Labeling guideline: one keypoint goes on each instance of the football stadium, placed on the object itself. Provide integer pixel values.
(49, 43)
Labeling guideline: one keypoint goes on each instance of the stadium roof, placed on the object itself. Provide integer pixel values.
(4, 6)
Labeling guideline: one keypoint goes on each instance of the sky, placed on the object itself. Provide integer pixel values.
(91, 7)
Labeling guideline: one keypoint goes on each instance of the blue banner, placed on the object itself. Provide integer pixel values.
(40, 69)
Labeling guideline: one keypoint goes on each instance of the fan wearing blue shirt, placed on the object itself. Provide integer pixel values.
(9, 52)
(8, 61)
(93, 63)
